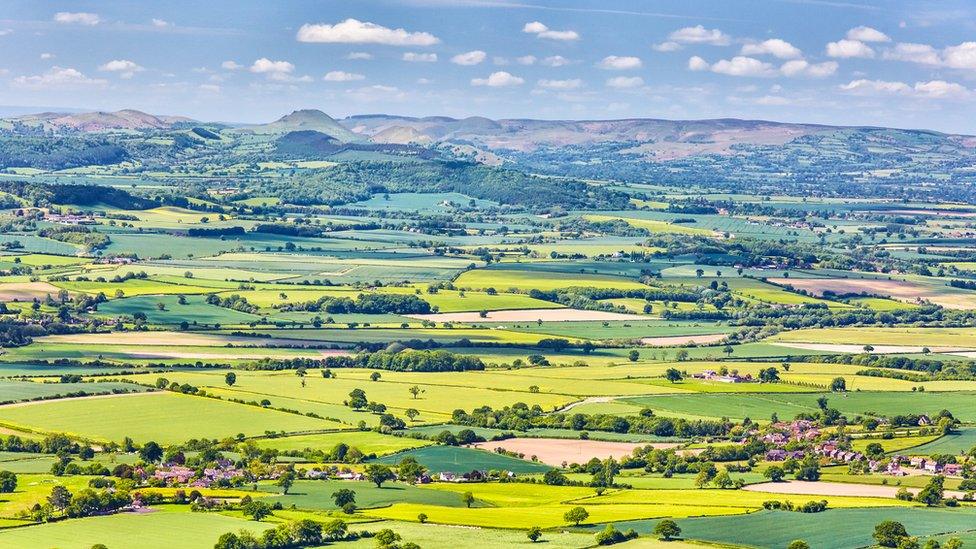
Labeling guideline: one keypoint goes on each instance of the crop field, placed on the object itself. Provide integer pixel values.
(368, 442)
(843, 527)
(760, 407)
(197, 530)
(522, 280)
(172, 417)
(959, 442)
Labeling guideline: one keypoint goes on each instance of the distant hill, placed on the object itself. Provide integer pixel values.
(309, 120)
(127, 119)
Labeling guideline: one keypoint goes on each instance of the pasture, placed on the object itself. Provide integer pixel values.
(166, 418)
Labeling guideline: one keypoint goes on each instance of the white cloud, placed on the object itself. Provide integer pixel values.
(543, 31)
(212, 88)
(498, 79)
(469, 58)
(772, 100)
(46, 55)
(962, 56)
(864, 86)
(161, 24)
(801, 67)
(933, 89)
(277, 70)
(620, 63)
(359, 56)
(5, 32)
(498, 60)
(77, 18)
(424, 81)
(622, 82)
(555, 61)
(413, 57)
(526, 60)
(342, 76)
(700, 35)
(570, 84)
(353, 31)
(938, 89)
(124, 67)
(58, 77)
(849, 48)
(666, 46)
(775, 47)
(742, 66)
(267, 66)
(867, 34)
(231, 65)
(913, 53)
(696, 63)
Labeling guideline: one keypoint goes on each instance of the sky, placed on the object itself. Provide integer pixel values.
(892, 63)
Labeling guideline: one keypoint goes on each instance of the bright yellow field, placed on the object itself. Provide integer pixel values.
(651, 225)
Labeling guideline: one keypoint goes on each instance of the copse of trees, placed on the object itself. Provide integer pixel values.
(521, 417)
(408, 361)
(365, 304)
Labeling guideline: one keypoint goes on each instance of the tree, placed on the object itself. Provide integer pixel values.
(774, 473)
(723, 480)
(798, 544)
(534, 534)
(343, 496)
(8, 482)
(412, 413)
(151, 452)
(378, 474)
(554, 477)
(822, 402)
(256, 509)
(667, 530)
(375, 376)
(888, 533)
(953, 543)
(809, 469)
(705, 475)
(838, 385)
(286, 480)
(230, 379)
(728, 350)
(415, 391)
(422, 518)
(357, 399)
(769, 375)
(672, 375)
(386, 538)
(576, 515)
(933, 492)
(633, 356)
(468, 499)
(868, 348)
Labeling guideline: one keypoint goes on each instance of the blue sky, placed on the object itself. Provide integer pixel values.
(883, 62)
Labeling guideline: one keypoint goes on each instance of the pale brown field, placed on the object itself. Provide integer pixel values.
(27, 291)
(556, 451)
(529, 315)
(670, 341)
(902, 290)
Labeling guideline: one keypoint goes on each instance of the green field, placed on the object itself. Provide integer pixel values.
(164, 417)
